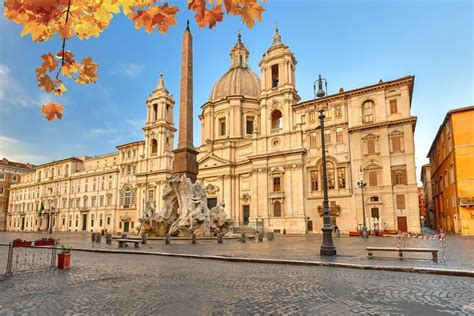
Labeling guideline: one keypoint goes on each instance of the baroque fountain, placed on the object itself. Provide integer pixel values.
(185, 212)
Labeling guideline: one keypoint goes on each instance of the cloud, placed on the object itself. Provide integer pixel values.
(13, 93)
(130, 70)
(95, 132)
(15, 150)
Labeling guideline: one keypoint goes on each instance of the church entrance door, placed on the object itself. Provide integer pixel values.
(246, 214)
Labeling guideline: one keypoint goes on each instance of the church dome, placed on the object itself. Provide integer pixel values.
(239, 79)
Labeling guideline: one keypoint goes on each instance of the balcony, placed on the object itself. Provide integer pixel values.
(277, 194)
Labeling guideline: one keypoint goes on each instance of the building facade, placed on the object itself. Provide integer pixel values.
(260, 154)
(10, 173)
(452, 173)
(425, 178)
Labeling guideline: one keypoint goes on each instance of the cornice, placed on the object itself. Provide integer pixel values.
(411, 119)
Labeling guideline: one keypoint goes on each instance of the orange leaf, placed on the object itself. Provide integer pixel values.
(46, 83)
(49, 62)
(51, 109)
(60, 90)
(88, 71)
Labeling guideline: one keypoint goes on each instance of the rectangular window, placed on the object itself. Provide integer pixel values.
(396, 143)
(109, 200)
(341, 177)
(451, 173)
(1, 190)
(249, 125)
(327, 137)
(370, 146)
(93, 201)
(276, 184)
(393, 106)
(339, 135)
(303, 119)
(314, 180)
(313, 139)
(338, 111)
(108, 220)
(101, 200)
(312, 117)
(400, 202)
(372, 178)
(222, 127)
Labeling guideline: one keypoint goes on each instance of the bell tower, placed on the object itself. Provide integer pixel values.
(159, 128)
(278, 67)
(278, 88)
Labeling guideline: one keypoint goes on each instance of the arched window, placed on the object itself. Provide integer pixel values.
(127, 197)
(368, 112)
(154, 146)
(277, 209)
(276, 120)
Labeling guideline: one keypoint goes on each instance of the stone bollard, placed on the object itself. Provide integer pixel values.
(193, 238)
(167, 239)
(270, 236)
(242, 237)
(260, 236)
(108, 239)
(220, 238)
(144, 239)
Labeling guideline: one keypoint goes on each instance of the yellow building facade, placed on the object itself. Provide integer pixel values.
(452, 172)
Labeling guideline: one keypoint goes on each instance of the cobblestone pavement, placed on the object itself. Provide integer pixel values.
(147, 285)
(459, 251)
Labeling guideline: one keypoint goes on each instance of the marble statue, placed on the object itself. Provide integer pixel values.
(185, 212)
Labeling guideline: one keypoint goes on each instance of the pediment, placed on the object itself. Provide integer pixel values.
(212, 161)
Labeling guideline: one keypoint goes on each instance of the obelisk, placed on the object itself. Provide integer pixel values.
(185, 161)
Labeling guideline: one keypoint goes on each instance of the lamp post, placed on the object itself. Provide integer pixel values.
(361, 183)
(327, 247)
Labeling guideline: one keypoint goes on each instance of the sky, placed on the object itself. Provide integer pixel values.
(351, 43)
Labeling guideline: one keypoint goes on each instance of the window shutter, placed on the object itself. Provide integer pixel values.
(396, 146)
(373, 178)
(370, 146)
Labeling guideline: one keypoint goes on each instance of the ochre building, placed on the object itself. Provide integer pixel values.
(452, 172)
(260, 154)
(10, 173)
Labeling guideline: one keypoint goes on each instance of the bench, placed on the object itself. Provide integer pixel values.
(124, 242)
(400, 251)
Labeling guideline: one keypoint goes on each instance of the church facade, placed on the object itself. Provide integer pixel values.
(260, 154)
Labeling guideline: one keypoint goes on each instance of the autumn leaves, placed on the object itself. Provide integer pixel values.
(42, 19)
(83, 73)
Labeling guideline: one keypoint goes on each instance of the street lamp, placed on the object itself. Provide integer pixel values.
(320, 92)
(327, 248)
(361, 183)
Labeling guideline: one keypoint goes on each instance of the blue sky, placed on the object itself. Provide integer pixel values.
(352, 43)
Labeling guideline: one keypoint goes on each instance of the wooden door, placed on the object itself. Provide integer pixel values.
(246, 211)
(84, 222)
(402, 223)
(310, 225)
